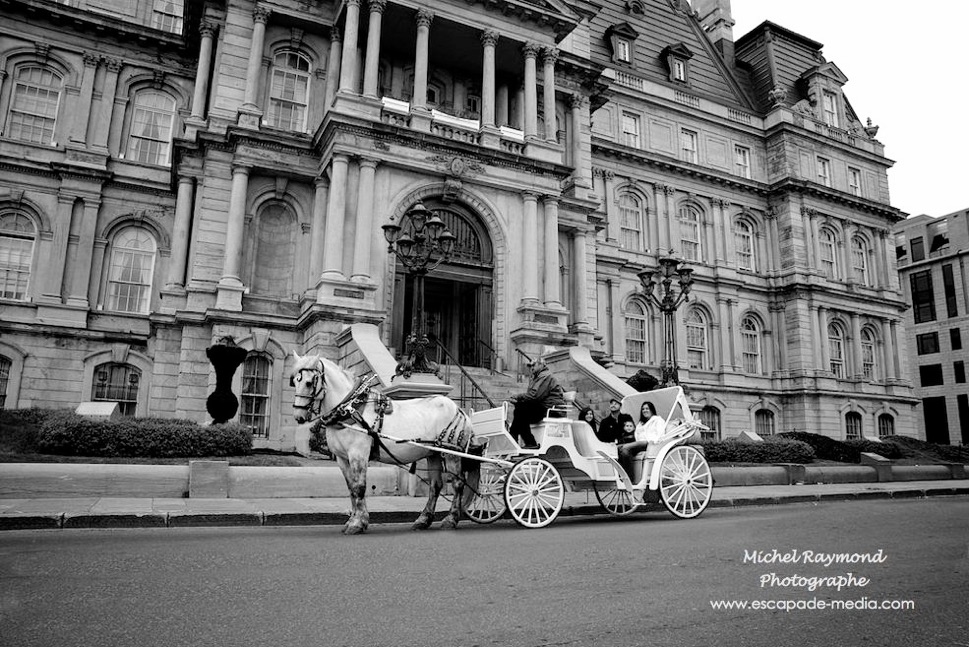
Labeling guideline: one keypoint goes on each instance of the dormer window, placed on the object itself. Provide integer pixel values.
(829, 101)
(622, 40)
(677, 59)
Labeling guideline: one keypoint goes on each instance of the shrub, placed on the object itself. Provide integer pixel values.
(950, 453)
(773, 450)
(886, 449)
(143, 437)
(19, 428)
(843, 451)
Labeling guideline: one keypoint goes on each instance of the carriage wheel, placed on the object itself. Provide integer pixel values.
(615, 501)
(488, 504)
(685, 482)
(534, 493)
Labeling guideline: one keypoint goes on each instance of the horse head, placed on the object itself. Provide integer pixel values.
(309, 381)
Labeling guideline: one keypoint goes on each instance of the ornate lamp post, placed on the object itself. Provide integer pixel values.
(668, 301)
(421, 242)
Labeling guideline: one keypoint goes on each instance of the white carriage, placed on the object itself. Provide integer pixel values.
(531, 484)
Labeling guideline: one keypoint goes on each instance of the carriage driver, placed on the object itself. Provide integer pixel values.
(543, 393)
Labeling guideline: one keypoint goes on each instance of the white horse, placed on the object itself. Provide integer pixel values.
(322, 389)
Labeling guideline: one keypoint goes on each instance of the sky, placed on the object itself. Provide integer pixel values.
(908, 69)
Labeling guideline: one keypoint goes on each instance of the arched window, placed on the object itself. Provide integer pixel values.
(274, 251)
(689, 219)
(255, 394)
(33, 108)
(152, 123)
(868, 364)
(750, 334)
(859, 260)
(828, 244)
(17, 236)
(130, 270)
(764, 422)
(5, 365)
(710, 416)
(886, 425)
(289, 91)
(743, 234)
(635, 332)
(697, 340)
(631, 222)
(836, 350)
(114, 382)
(853, 425)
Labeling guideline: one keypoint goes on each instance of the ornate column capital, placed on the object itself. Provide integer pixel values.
(530, 196)
(770, 213)
(261, 14)
(377, 6)
(91, 59)
(336, 34)
(367, 162)
(530, 50)
(241, 168)
(666, 189)
(808, 211)
(549, 55)
(424, 18)
(723, 203)
(207, 28)
(353, 3)
(489, 38)
(576, 100)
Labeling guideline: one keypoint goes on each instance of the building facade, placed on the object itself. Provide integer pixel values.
(173, 175)
(931, 255)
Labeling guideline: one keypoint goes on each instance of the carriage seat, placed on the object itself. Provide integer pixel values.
(588, 445)
(562, 410)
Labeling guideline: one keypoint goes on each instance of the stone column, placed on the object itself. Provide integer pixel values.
(813, 247)
(722, 225)
(549, 56)
(727, 359)
(373, 48)
(581, 311)
(613, 225)
(80, 278)
(888, 334)
(82, 109)
(317, 230)
(260, 16)
(501, 100)
(780, 338)
(517, 117)
(333, 67)
(102, 120)
(552, 279)
(348, 61)
(419, 100)
(364, 230)
(54, 265)
(531, 97)
(184, 206)
(489, 39)
(333, 241)
(235, 229)
(666, 226)
(207, 29)
(880, 265)
(824, 355)
(530, 247)
(848, 273)
(773, 252)
(617, 322)
(856, 357)
(575, 105)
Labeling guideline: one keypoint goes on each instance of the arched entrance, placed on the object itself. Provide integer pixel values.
(457, 295)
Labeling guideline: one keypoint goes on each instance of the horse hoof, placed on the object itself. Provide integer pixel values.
(354, 530)
(423, 523)
(449, 523)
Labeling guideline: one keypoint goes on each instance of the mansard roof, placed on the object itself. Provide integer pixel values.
(777, 58)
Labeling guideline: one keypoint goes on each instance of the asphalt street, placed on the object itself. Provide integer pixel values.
(648, 580)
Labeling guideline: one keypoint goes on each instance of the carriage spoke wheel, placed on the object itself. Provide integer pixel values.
(488, 504)
(685, 482)
(615, 501)
(534, 493)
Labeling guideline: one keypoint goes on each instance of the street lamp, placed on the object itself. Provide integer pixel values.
(421, 242)
(668, 301)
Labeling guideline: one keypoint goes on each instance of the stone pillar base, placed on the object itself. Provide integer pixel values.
(229, 295)
(420, 119)
(349, 294)
(418, 385)
(250, 116)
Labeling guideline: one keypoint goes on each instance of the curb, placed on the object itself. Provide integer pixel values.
(75, 520)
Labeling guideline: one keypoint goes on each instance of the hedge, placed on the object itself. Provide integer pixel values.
(75, 435)
(772, 450)
(951, 453)
(827, 448)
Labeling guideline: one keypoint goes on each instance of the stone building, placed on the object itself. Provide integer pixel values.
(931, 255)
(172, 175)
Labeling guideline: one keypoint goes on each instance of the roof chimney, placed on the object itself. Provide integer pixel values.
(717, 22)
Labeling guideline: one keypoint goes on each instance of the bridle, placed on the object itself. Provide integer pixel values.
(315, 400)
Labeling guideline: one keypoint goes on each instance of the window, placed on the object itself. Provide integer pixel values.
(868, 354)
(622, 39)
(166, 15)
(270, 251)
(859, 261)
(697, 350)
(289, 91)
(886, 425)
(710, 416)
(688, 146)
(931, 375)
(255, 394)
(829, 101)
(472, 104)
(16, 254)
(923, 298)
(959, 368)
(690, 233)
(5, 365)
(853, 425)
(836, 350)
(635, 332)
(622, 50)
(764, 422)
(938, 235)
(828, 244)
(743, 235)
(33, 110)
(751, 341)
(130, 270)
(150, 139)
(949, 287)
(679, 70)
(741, 155)
(928, 343)
(955, 338)
(824, 171)
(630, 129)
(630, 222)
(115, 382)
(900, 251)
(918, 249)
(854, 181)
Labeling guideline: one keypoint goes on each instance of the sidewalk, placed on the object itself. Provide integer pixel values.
(123, 512)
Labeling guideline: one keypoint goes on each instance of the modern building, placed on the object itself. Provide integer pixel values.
(171, 176)
(932, 257)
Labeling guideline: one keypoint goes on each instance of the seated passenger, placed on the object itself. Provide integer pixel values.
(611, 428)
(531, 406)
(588, 416)
(650, 429)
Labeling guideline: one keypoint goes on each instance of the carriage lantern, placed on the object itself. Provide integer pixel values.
(668, 301)
(421, 241)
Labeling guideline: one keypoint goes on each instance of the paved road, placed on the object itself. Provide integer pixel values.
(643, 581)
